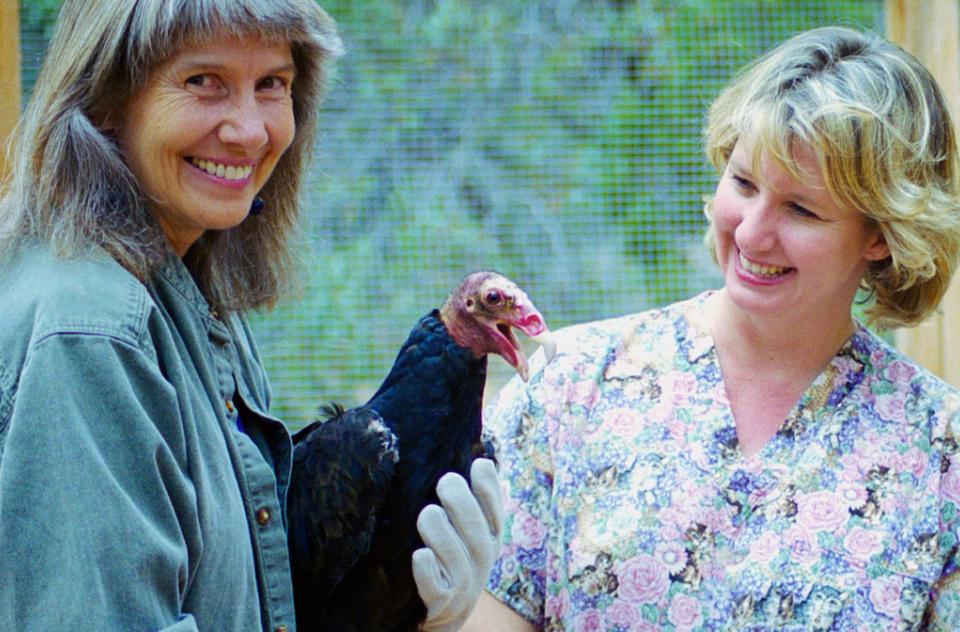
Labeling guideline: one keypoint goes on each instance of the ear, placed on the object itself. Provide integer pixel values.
(876, 248)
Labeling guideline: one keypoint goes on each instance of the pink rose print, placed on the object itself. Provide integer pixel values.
(583, 392)
(672, 515)
(851, 467)
(642, 580)
(802, 545)
(528, 532)
(913, 461)
(622, 421)
(885, 595)
(863, 543)
(900, 371)
(670, 531)
(765, 548)
(891, 406)
(950, 484)
(588, 621)
(682, 384)
(684, 612)
(821, 511)
(623, 614)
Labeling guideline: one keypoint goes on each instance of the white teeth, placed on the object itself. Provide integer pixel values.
(750, 266)
(222, 171)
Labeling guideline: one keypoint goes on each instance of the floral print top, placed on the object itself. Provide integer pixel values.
(631, 507)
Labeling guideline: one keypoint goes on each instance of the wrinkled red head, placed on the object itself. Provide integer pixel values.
(482, 313)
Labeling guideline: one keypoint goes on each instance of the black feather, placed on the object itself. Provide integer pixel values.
(361, 478)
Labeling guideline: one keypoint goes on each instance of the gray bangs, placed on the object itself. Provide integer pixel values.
(158, 28)
(101, 54)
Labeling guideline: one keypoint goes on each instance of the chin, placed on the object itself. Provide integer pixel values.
(749, 298)
(231, 219)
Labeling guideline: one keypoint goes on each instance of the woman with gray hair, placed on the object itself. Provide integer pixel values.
(755, 457)
(153, 194)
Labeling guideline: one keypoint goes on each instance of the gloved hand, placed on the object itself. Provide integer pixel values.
(463, 541)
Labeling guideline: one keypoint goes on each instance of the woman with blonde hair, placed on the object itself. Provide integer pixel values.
(152, 203)
(755, 457)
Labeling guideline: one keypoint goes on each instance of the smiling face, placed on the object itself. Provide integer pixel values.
(205, 133)
(786, 247)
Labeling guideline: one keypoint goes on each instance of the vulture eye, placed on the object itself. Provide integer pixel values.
(494, 298)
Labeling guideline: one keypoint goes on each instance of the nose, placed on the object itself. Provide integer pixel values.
(756, 231)
(244, 124)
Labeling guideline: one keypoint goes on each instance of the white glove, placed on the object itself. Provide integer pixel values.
(463, 541)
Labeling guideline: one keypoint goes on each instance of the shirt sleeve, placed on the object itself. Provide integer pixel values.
(943, 612)
(97, 516)
(519, 577)
(944, 609)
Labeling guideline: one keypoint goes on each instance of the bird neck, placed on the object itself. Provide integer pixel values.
(462, 329)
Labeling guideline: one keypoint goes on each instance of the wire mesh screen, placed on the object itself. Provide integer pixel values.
(555, 141)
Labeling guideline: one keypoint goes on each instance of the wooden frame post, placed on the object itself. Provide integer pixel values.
(9, 75)
(930, 29)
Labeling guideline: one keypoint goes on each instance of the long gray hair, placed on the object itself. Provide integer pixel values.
(69, 183)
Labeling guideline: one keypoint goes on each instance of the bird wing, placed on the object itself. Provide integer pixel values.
(342, 469)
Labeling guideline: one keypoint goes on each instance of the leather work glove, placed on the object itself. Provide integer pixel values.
(463, 541)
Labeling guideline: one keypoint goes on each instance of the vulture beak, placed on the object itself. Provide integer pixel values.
(530, 321)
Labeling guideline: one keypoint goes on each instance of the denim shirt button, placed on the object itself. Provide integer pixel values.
(281, 628)
(263, 516)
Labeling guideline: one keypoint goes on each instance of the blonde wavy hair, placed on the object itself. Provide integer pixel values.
(884, 141)
(69, 183)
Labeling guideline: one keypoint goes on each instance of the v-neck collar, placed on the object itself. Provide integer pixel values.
(803, 441)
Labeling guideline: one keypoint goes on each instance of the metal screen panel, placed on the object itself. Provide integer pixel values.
(555, 141)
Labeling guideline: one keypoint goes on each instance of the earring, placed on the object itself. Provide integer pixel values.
(257, 207)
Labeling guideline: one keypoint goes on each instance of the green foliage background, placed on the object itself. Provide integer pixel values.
(556, 141)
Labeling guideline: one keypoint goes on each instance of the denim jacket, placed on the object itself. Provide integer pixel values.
(130, 498)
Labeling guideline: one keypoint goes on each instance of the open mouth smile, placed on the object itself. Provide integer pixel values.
(228, 172)
(760, 270)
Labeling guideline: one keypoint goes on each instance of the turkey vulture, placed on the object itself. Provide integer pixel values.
(361, 477)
